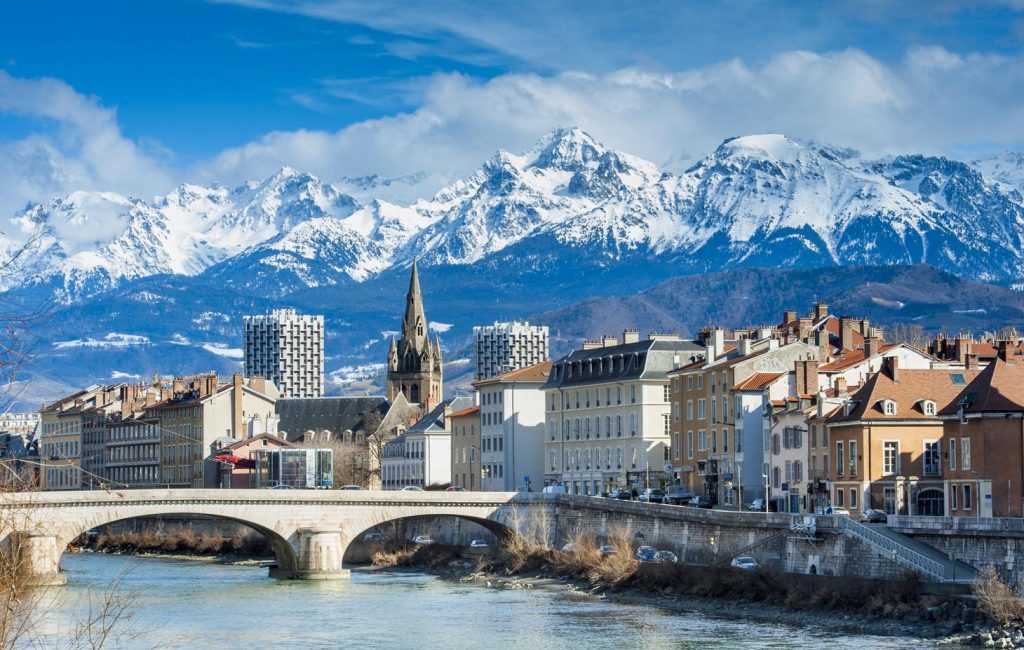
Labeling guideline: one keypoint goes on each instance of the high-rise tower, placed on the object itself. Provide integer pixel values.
(414, 361)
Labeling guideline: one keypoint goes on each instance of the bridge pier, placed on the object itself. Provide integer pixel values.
(38, 555)
(320, 551)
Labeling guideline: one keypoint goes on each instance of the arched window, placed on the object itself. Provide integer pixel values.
(889, 407)
(414, 393)
(928, 407)
(931, 503)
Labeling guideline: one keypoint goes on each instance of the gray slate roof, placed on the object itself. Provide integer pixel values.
(335, 414)
(641, 360)
(433, 422)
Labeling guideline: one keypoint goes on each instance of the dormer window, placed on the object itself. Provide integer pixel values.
(888, 407)
(928, 407)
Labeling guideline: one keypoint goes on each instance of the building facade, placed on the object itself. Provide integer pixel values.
(414, 362)
(466, 448)
(19, 423)
(132, 452)
(422, 455)
(607, 411)
(504, 347)
(286, 348)
(512, 428)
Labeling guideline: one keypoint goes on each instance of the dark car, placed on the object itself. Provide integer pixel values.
(700, 502)
(872, 516)
(651, 495)
(620, 494)
(757, 505)
(646, 553)
(677, 495)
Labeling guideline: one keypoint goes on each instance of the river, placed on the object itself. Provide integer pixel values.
(186, 604)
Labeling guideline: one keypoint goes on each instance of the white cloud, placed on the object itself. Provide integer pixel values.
(931, 101)
(80, 146)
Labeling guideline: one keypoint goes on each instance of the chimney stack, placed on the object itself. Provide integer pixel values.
(871, 346)
(1007, 351)
(630, 336)
(609, 341)
(891, 367)
(971, 362)
(962, 348)
(805, 328)
(788, 316)
(846, 333)
(820, 310)
(806, 372)
(840, 384)
(236, 406)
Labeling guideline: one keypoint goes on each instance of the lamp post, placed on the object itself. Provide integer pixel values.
(472, 457)
(766, 486)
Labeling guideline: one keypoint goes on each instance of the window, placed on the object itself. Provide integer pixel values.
(889, 407)
(632, 394)
(853, 458)
(618, 425)
(839, 496)
(700, 382)
(668, 392)
(775, 444)
(931, 457)
(675, 446)
(689, 444)
(725, 441)
(814, 435)
(952, 454)
(689, 409)
(929, 407)
(965, 459)
(700, 409)
(667, 425)
(891, 457)
(702, 442)
(737, 440)
(632, 424)
(675, 411)
(714, 441)
(775, 477)
(853, 497)
(952, 498)
(714, 410)
(789, 471)
(967, 497)
(840, 458)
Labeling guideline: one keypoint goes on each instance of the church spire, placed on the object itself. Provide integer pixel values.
(414, 325)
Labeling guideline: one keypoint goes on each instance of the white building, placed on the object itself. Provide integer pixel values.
(512, 429)
(504, 347)
(19, 422)
(288, 349)
(422, 455)
(607, 411)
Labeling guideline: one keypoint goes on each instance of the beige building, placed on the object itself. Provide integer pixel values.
(61, 448)
(466, 448)
(607, 411)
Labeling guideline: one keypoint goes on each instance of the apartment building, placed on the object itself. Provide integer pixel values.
(71, 460)
(512, 428)
(132, 452)
(19, 423)
(287, 348)
(422, 455)
(607, 409)
(466, 448)
(983, 440)
(886, 441)
(504, 347)
(722, 430)
(202, 414)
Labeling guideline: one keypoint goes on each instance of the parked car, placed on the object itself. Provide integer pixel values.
(873, 516)
(646, 553)
(568, 547)
(651, 495)
(619, 493)
(700, 502)
(422, 540)
(744, 562)
(677, 495)
(758, 505)
(411, 488)
(351, 487)
(837, 510)
(455, 488)
(554, 489)
(282, 486)
(373, 537)
(668, 557)
(479, 543)
(608, 549)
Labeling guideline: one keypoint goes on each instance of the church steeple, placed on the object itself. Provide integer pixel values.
(414, 363)
(414, 325)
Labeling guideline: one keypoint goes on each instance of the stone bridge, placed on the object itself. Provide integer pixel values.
(309, 530)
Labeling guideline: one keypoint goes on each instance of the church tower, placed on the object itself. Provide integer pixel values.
(414, 361)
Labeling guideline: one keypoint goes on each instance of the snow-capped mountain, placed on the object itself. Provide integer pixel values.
(525, 232)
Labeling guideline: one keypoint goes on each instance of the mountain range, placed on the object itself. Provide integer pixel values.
(160, 286)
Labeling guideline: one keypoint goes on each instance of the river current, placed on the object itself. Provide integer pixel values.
(185, 604)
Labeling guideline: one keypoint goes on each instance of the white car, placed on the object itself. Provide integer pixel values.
(837, 510)
(745, 562)
(373, 537)
(608, 549)
(411, 488)
(422, 539)
(479, 543)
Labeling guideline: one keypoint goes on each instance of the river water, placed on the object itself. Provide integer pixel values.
(185, 604)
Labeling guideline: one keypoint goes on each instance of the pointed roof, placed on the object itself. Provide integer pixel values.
(414, 311)
(999, 388)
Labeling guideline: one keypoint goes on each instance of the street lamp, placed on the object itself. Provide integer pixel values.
(766, 486)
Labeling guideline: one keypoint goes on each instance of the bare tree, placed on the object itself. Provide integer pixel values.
(910, 333)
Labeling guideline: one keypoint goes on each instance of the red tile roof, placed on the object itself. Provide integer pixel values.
(472, 410)
(913, 387)
(999, 388)
(758, 381)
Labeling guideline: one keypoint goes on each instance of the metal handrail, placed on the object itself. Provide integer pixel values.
(895, 549)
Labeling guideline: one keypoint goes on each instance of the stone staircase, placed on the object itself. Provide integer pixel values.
(907, 551)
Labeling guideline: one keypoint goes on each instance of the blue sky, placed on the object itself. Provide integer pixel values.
(138, 96)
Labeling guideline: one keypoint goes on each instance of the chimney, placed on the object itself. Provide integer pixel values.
(962, 348)
(178, 386)
(846, 333)
(971, 362)
(806, 377)
(591, 345)
(820, 310)
(805, 328)
(719, 337)
(236, 406)
(609, 341)
(1007, 351)
(744, 346)
(891, 367)
(150, 399)
(630, 336)
(824, 347)
(865, 327)
(840, 384)
(788, 316)
(871, 346)
(258, 384)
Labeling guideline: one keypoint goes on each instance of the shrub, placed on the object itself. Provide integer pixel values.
(996, 599)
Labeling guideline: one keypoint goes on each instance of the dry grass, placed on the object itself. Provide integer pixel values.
(182, 540)
(618, 568)
(996, 599)
(398, 557)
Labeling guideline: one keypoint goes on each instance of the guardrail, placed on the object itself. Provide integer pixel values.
(891, 547)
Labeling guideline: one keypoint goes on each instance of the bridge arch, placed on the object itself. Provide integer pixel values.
(397, 526)
(284, 552)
